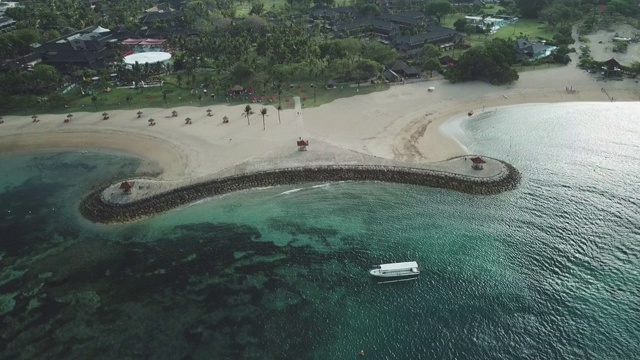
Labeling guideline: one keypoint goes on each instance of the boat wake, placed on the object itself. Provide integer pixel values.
(290, 191)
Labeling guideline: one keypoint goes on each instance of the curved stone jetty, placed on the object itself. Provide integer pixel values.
(95, 208)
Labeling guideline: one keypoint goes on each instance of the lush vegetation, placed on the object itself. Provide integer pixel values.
(271, 46)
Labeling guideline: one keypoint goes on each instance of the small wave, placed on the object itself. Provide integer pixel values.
(290, 191)
(321, 186)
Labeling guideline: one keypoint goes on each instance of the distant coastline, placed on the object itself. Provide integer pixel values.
(401, 127)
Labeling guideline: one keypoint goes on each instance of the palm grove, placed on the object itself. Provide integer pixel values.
(268, 46)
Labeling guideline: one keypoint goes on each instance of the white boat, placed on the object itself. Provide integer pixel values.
(396, 271)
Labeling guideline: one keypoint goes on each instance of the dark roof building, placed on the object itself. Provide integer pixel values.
(436, 35)
(7, 24)
(528, 49)
(406, 20)
(21, 63)
(87, 48)
(161, 13)
(401, 69)
(371, 26)
(447, 60)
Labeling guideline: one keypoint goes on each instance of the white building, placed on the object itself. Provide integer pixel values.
(483, 22)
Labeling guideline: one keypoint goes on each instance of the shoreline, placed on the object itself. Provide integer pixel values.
(404, 126)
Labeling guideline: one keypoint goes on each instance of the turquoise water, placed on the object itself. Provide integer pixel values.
(550, 270)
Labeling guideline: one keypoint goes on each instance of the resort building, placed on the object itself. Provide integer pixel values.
(7, 24)
(88, 48)
(441, 36)
(484, 22)
(532, 50)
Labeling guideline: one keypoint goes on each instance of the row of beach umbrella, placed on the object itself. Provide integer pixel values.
(105, 116)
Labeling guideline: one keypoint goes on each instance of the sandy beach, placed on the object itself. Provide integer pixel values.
(401, 124)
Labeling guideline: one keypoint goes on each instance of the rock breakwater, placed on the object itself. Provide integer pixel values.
(96, 209)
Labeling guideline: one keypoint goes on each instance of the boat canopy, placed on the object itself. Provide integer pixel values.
(399, 266)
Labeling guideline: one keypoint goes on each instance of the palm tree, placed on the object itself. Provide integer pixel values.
(263, 112)
(247, 112)
(279, 108)
(279, 93)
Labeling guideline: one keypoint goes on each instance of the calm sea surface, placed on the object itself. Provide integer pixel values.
(548, 271)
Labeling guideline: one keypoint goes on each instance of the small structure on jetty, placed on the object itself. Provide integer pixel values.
(477, 163)
(302, 144)
(126, 187)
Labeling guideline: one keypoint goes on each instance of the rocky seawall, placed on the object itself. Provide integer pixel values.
(96, 209)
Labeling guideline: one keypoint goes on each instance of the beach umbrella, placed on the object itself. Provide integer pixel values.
(104, 114)
(225, 119)
(151, 120)
(208, 112)
(139, 113)
(187, 120)
(34, 117)
(174, 112)
(70, 115)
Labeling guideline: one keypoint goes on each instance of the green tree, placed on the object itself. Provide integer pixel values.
(256, 9)
(438, 9)
(460, 24)
(530, 8)
(492, 62)
(378, 52)
(263, 112)
(431, 65)
(635, 67)
(556, 14)
(247, 112)
(428, 51)
(45, 78)
(279, 108)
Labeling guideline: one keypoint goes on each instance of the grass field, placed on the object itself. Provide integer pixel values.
(152, 97)
(532, 28)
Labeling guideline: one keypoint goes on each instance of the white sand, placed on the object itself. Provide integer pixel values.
(402, 123)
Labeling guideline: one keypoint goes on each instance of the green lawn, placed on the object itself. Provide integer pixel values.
(532, 28)
(152, 97)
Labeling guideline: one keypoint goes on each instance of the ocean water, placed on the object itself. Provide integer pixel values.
(548, 271)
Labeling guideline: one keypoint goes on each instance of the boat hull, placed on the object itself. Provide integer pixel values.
(392, 279)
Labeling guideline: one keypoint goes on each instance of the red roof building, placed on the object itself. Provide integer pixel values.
(126, 186)
(477, 163)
